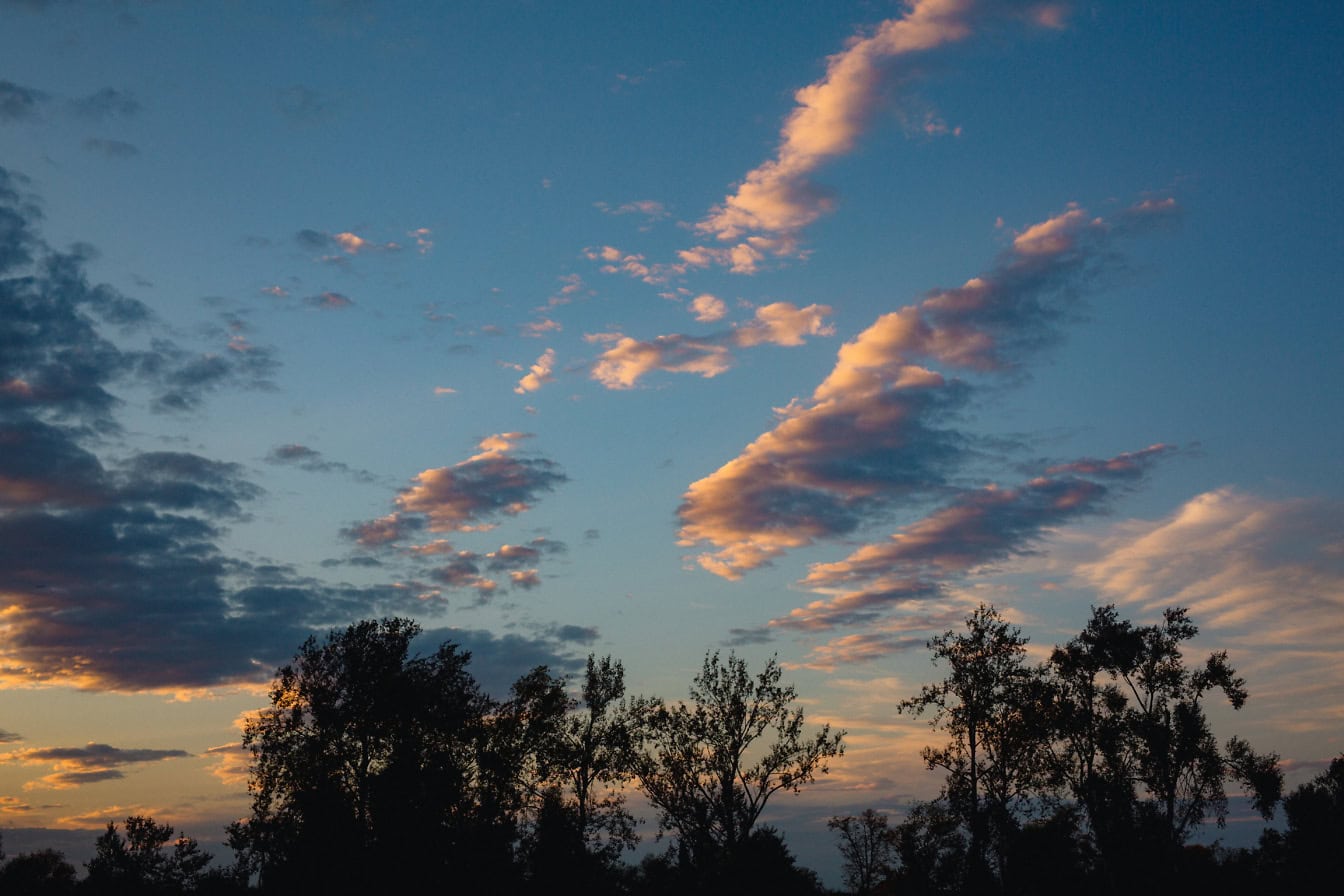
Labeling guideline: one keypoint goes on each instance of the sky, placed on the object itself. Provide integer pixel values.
(781, 328)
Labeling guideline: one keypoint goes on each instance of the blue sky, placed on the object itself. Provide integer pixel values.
(788, 328)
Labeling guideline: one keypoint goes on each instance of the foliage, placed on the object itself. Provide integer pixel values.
(867, 848)
(368, 756)
(711, 765)
(990, 704)
(141, 862)
(41, 873)
(1133, 744)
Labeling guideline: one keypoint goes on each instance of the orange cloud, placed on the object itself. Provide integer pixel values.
(776, 200)
(539, 374)
(874, 430)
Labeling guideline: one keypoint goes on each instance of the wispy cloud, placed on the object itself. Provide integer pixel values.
(329, 301)
(877, 430)
(90, 764)
(312, 461)
(766, 214)
(625, 361)
(467, 495)
(19, 103)
(112, 149)
(106, 103)
(304, 106)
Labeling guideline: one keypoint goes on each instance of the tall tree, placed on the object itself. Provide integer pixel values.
(990, 703)
(1134, 746)
(711, 765)
(367, 765)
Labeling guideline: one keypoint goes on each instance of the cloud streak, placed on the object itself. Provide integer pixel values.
(625, 361)
(875, 433)
(775, 201)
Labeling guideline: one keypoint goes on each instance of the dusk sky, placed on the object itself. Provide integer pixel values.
(787, 328)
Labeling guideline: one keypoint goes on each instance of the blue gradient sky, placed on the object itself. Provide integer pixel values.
(793, 328)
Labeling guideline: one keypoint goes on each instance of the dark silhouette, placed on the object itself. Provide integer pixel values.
(41, 873)
(140, 861)
(378, 771)
(1103, 759)
(1134, 748)
(692, 762)
(996, 763)
(868, 848)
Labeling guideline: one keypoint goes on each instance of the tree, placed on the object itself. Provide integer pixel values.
(582, 826)
(597, 744)
(711, 765)
(1133, 744)
(1315, 814)
(868, 848)
(990, 703)
(44, 872)
(931, 845)
(140, 862)
(367, 767)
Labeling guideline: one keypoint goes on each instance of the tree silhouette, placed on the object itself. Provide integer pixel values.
(867, 847)
(991, 704)
(370, 766)
(44, 872)
(711, 765)
(1134, 746)
(140, 861)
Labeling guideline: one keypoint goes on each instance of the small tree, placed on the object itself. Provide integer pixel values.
(711, 765)
(140, 862)
(868, 848)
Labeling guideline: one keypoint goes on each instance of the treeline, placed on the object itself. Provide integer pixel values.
(377, 771)
(1089, 773)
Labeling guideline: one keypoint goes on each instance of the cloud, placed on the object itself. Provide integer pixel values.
(106, 103)
(311, 460)
(646, 207)
(329, 301)
(650, 210)
(303, 105)
(539, 374)
(467, 495)
(18, 103)
(112, 149)
(875, 433)
(535, 329)
(497, 661)
(1262, 577)
(525, 579)
(626, 361)
(575, 634)
(767, 212)
(112, 570)
(782, 323)
(1235, 560)
(423, 243)
(708, 309)
(516, 556)
(338, 248)
(9, 737)
(463, 572)
(90, 764)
